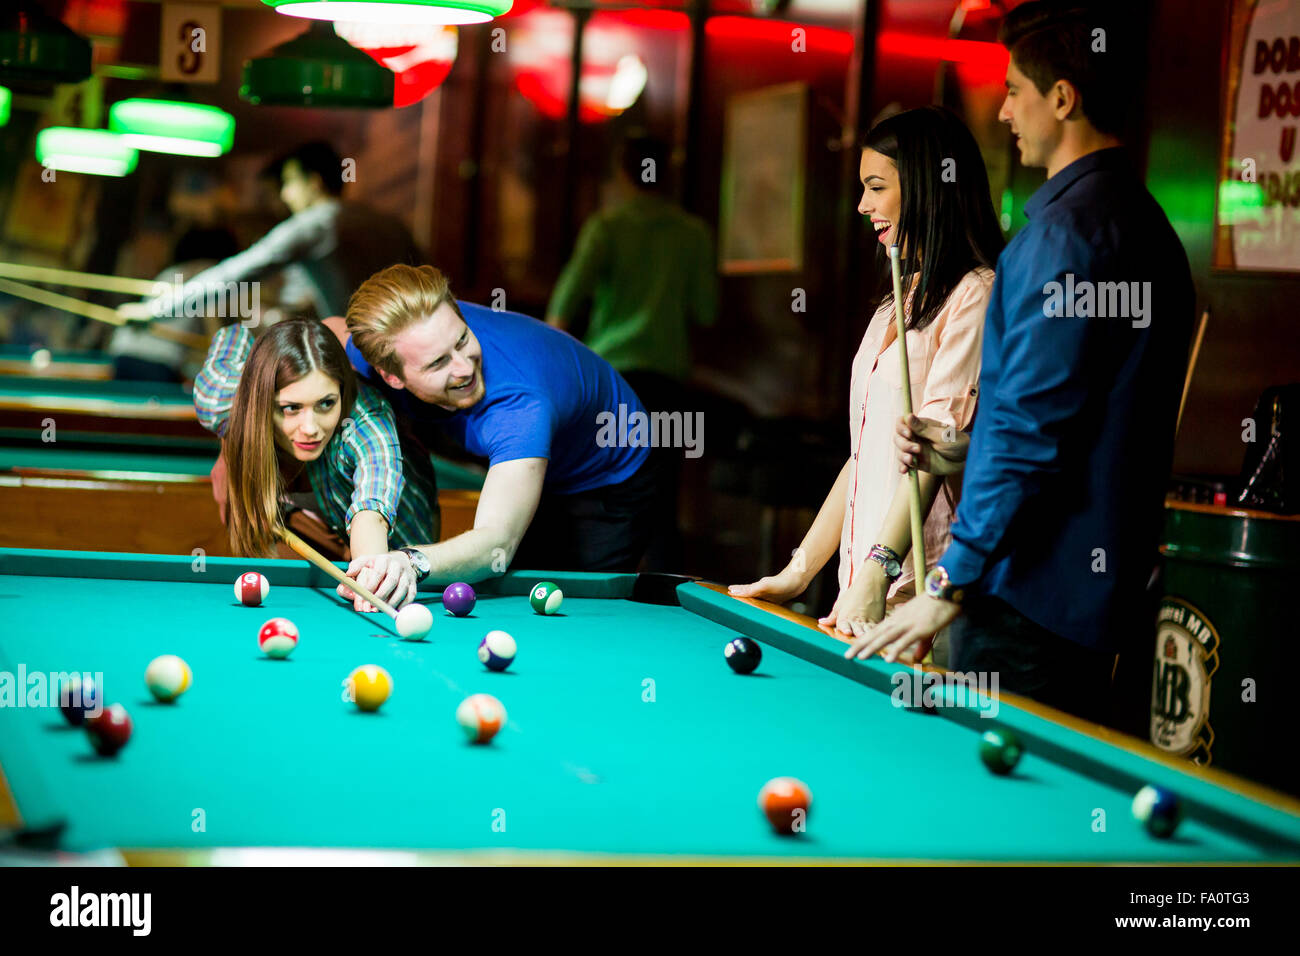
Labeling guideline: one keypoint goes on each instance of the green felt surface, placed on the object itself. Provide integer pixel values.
(25, 352)
(131, 454)
(134, 464)
(273, 756)
(125, 392)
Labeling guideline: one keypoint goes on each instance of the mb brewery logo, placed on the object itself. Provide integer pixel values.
(1187, 655)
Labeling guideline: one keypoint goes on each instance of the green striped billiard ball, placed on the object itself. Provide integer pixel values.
(1000, 750)
(546, 597)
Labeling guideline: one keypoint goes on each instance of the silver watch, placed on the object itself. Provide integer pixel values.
(419, 562)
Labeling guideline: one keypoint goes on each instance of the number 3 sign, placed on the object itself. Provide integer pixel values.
(190, 45)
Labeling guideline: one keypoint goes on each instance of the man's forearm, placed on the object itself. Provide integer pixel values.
(472, 556)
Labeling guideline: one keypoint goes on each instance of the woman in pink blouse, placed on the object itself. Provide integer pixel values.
(924, 187)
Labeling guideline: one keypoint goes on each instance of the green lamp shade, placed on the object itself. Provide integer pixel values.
(318, 68)
(6, 99)
(394, 11)
(168, 126)
(95, 151)
(38, 50)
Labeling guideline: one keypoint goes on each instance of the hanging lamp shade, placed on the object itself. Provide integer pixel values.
(394, 11)
(317, 68)
(6, 101)
(38, 50)
(95, 151)
(420, 57)
(171, 126)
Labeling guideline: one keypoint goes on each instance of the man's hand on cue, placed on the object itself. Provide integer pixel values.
(930, 446)
(388, 576)
(914, 623)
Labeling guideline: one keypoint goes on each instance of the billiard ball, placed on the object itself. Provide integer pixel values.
(278, 637)
(480, 716)
(78, 697)
(546, 597)
(459, 599)
(497, 650)
(743, 655)
(371, 685)
(251, 589)
(167, 677)
(786, 803)
(109, 730)
(1000, 750)
(414, 621)
(1158, 810)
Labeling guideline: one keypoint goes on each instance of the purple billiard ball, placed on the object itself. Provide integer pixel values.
(459, 599)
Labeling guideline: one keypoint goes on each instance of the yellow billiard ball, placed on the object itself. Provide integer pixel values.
(370, 685)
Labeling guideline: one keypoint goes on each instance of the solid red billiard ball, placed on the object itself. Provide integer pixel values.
(109, 730)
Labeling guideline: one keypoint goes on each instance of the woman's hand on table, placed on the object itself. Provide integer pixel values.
(389, 576)
(862, 602)
(930, 446)
(777, 588)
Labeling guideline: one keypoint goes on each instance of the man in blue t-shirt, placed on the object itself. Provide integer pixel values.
(569, 483)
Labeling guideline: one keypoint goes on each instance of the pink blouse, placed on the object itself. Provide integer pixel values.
(944, 364)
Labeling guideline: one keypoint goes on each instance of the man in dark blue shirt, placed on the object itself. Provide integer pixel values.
(1085, 346)
(570, 484)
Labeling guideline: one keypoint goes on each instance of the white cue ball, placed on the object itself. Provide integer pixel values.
(414, 621)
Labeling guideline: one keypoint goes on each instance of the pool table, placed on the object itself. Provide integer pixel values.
(138, 408)
(628, 738)
(37, 362)
(146, 493)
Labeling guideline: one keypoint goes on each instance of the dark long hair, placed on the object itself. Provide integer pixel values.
(287, 352)
(946, 220)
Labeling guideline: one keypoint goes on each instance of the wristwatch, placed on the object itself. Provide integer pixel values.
(888, 559)
(939, 585)
(419, 562)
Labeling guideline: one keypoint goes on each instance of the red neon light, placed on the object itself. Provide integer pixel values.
(992, 56)
(819, 39)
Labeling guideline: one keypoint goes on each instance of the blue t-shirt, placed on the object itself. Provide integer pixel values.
(546, 395)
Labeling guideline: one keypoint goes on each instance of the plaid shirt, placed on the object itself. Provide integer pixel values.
(361, 468)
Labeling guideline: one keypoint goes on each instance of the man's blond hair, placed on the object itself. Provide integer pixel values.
(388, 303)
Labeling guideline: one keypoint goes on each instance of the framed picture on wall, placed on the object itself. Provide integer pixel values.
(763, 180)
(1257, 210)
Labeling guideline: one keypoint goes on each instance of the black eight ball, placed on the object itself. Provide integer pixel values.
(743, 655)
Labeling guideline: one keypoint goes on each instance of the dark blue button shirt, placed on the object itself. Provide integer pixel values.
(1085, 349)
(546, 395)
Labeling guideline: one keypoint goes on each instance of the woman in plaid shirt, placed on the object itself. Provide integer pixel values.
(299, 431)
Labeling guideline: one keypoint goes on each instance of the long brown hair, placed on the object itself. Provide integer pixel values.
(287, 352)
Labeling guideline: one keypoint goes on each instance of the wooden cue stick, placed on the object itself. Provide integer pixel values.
(1191, 366)
(80, 280)
(101, 313)
(918, 528)
(316, 558)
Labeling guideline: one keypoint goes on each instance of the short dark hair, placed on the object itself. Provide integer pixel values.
(1052, 40)
(632, 156)
(320, 158)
